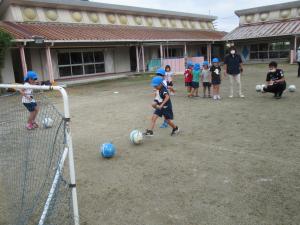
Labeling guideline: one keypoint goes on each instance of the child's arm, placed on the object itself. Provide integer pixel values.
(167, 97)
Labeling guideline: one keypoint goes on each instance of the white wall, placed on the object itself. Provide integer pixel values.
(121, 59)
(8, 71)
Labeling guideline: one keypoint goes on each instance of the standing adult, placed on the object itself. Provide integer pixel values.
(233, 66)
(298, 61)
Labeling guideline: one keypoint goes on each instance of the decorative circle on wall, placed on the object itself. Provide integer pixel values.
(123, 19)
(203, 25)
(93, 17)
(111, 18)
(210, 26)
(138, 20)
(163, 22)
(51, 14)
(77, 16)
(29, 13)
(173, 23)
(264, 16)
(184, 23)
(149, 21)
(192, 24)
(285, 14)
(249, 18)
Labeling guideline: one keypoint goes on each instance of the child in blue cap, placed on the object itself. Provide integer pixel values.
(206, 79)
(162, 108)
(161, 72)
(216, 78)
(195, 82)
(28, 100)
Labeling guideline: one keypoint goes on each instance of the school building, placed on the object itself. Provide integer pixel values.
(71, 39)
(267, 33)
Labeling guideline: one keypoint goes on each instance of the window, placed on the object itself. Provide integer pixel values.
(80, 63)
(274, 50)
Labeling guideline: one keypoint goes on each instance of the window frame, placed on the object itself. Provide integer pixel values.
(82, 64)
(269, 52)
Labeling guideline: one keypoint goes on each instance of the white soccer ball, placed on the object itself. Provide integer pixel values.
(136, 137)
(258, 88)
(292, 88)
(47, 122)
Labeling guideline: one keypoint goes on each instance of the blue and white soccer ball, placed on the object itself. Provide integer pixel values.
(136, 137)
(108, 150)
(47, 122)
(292, 88)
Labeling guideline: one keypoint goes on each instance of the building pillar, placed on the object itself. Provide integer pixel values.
(161, 54)
(23, 60)
(209, 53)
(295, 51)
(143, 58)
(185, 50)
(49, 65)
(137, 59)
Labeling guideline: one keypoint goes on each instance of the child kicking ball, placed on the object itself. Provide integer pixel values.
(162, 106)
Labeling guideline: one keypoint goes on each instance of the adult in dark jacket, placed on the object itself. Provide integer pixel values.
(233, 67)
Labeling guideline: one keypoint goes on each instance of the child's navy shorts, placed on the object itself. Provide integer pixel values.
(167, 113)
(170, 83)
(216, 82)
(206, 84)
(30, 106)
(188, 84)
(195, 85)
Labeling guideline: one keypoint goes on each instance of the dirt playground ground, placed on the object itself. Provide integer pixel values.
(236, 161)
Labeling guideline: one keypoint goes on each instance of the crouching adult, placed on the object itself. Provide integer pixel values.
(275, 81)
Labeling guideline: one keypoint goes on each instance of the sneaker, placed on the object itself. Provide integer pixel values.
(230, 96)
(35, 125)
(215, 97)
(175, 131)
(148, 133)
(29, 126)
(164, 125)
(219, 97)
(242, 96)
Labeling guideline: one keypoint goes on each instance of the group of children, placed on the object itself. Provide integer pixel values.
(209, 76)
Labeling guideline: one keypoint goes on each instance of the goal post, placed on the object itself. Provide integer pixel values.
(67, 152)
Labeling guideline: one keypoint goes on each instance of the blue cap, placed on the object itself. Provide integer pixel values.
(215, 60)
(161, 72)
(190, 64)
(197, 67)
(205, 63)
(31, 75)
(156, 81)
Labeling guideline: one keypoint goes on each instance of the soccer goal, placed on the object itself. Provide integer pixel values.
(37, 182)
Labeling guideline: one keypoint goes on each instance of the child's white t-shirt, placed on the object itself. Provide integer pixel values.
(169, 76)
(28, 94)
(205, 76)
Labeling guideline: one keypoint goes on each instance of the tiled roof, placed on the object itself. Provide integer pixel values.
(106, 33)
(273, 29)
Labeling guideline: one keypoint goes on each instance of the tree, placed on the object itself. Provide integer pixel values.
(5, 43)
